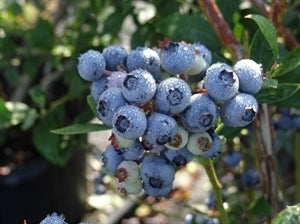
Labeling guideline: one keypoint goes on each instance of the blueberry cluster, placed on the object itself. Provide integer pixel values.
(159, 123)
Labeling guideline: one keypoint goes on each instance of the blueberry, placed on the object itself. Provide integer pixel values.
(239, 111)
(144, 58)
(179, 140)
(54, 218)
(172, 96)
(129, 122)
(100, 189)
(220, 82)
(157, 175)
(201, 113)
(111, 159)
(177, 57)
(116, 79)
(179, 157)
(250, 178)
(91, 65)
(114, 55)
(204, 51)
(250, 75)
(139, 86)
(98, 87)
(134, 152)
(199, 66)
(161, 129)
(232, 159)
(108, 103)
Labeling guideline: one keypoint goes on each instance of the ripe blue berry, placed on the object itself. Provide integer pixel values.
(134, 152)
(250, 76)
(179, 157)
(111, 159)
(232, 159)
(139, 86)
(108, 103)
(157, 175)
(91, 65)
(220, 82)
(98, 87)
(144, 58)
(129, 122)
(204, 51)
(177, 57)
(114, 55)
(250, 178)
(239, 111)
(201, 113)
(161, 129)
(54, 218)
(172, 96)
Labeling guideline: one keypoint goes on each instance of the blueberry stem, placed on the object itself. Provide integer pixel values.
(217, 186)
(220, 127)
(297, 165)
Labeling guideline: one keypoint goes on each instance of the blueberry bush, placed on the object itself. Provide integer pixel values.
(214, 82)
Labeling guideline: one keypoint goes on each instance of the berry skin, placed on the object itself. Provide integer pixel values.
(129, 122)
(161, 129)
(250, 178)
(201, 113)
(172, 96)
(114, 55)
(139, 86)
(199, 143)
(179, 140)
(116, 79)
(98, 87)
(144, 58)
(108, 103)
(220, 82)
(157, 175)
(200, 65)
(134, 152)
(239, 111)
(91, 65)
(127, 171)
(250, 76)
(179, 157)
(177, 57)
(111, 159)
(232, 159)
(126, 188)
(53, 219)
(215, 147)
(203, 50)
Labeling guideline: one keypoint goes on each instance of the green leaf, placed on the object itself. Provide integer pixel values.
(38, 96)
(290, 215)
(289, 63)
(268, 30)
(273, 95)
(260, 207)
(80, 129)
(5, 114)
(261, 52)
(92, 104)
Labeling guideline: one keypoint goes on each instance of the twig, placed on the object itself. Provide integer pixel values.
(221, 28)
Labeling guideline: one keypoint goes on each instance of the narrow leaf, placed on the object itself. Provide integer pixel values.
(273, 95)
(92, 104)
(80, 129)
(289, 63)
(268, 30)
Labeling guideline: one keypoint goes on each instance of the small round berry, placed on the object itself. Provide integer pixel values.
(239, 111)
(126, 188)
(204, 51)
(111, 159)
(201, 113)
(127, 171)
(114, 55)
(179, 140)
(199, 143)
(220, 82)
(134, 152)
(172, 96)
(177, 57)
(98, 87)
(91, 65)
(54, 218)
(250, 76)
(200, 65)
(179, 157)
(108, 103)
(250, 178)
(116, 79)
(232, 159)
(139, 86)
(129, 122)
(161, 129)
